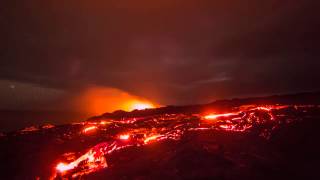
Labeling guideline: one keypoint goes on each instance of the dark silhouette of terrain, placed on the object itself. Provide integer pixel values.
(290, 152)
(298, 98)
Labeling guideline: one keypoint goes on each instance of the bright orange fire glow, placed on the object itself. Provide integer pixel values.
(166, 127)
(124, 136)
(151, 138)
(62, 167)
(139, 105)
(89, 129)
(98, 100)
(105, 122)
(93, 158)
(215, 116)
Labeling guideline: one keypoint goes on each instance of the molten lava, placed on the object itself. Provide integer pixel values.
(91, 161)
(89, 129)
(144, 131)
(124, 136)
(215, 116)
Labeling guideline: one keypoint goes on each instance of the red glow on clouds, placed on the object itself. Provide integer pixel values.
(98, 100)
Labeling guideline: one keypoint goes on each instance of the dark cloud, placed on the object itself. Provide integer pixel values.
(170, 51)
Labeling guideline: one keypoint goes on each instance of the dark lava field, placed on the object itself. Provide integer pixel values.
(270, 138)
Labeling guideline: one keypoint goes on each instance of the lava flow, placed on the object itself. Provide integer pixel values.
(139, 132)
(89, 129)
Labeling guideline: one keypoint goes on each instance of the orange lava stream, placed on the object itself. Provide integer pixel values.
(215, 116)
(162, 127)
(89, 129)
(124, 136)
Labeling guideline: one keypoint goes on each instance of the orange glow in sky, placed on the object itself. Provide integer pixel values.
(139, 105)
(99, 100)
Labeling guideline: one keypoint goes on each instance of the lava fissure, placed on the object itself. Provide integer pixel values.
(143, 131)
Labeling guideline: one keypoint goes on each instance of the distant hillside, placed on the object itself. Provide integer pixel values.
(298, 98)
(11, 120)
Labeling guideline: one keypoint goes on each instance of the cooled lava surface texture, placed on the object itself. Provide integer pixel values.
(243, 141)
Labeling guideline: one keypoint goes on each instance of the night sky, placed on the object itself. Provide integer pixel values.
(166, 51)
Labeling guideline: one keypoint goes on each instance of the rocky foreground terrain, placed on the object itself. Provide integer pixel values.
(262, 138)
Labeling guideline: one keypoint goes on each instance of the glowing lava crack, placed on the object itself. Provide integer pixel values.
(143, 131)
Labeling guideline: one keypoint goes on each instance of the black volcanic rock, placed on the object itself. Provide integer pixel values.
(299, 98)
(258, 142)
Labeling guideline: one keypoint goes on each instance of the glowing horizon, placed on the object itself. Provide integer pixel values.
(98, 100)
(139, 105)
